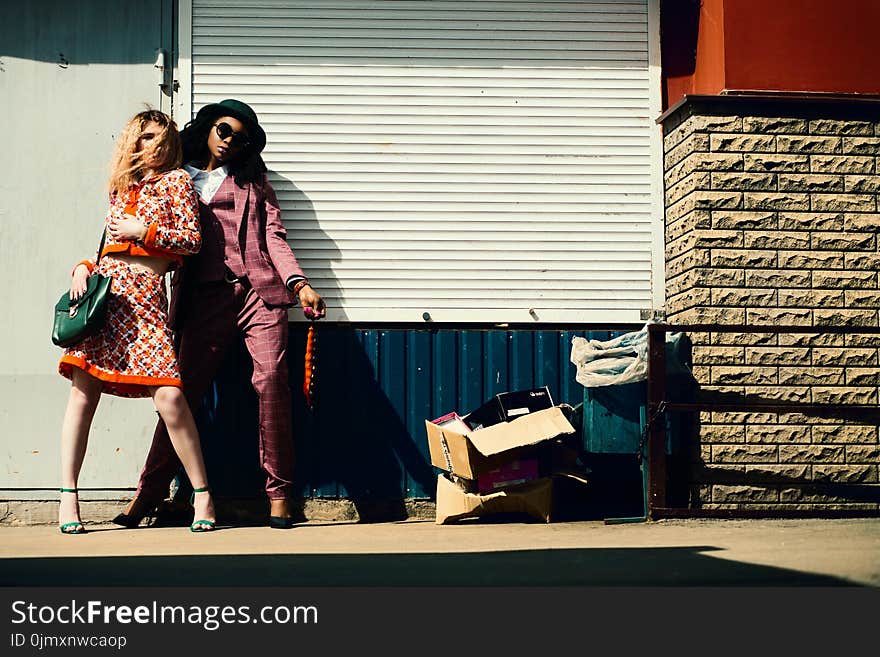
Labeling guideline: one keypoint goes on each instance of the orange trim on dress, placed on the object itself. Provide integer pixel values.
(112, 377)
(131, 205)
(150, 237)
(135, 250)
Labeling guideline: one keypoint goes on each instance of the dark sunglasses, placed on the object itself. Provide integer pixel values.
(224, 131)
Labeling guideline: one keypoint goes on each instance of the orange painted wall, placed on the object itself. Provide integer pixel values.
(709, 77)
(802, 45)
(770, 45)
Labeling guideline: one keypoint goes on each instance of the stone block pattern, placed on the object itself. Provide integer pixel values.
(769, 221)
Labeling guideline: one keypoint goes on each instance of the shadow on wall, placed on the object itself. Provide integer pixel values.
(355, 435)
(353, 444)
(819, 489)
(91, 32)
(680, 30)
(313, 247)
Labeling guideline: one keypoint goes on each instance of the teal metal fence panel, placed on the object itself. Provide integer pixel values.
(365, 438)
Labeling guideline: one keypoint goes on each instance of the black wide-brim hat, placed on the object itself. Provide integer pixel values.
(241, 111)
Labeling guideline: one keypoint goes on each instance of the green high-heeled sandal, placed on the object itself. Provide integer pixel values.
(201, 525)
(75, 527)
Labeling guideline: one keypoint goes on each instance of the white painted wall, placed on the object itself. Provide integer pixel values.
(71, 74)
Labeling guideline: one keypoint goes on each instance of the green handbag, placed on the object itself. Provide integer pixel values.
(84, 317)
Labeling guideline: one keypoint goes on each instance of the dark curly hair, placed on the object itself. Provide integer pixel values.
(247, 166)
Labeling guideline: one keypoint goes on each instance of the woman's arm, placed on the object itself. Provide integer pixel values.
(82, 270)
(179, 230)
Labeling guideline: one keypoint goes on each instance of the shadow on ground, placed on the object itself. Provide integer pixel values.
(678, 566)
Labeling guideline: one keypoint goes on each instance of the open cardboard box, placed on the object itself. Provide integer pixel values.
(466, 454)
(534, 498)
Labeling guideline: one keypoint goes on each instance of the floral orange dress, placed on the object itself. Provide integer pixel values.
(134, 348)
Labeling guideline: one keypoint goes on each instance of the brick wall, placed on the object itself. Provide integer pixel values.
(772, 218)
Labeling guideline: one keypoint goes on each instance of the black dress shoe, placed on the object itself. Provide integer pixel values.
(279, 522)
(139, 511)
(127, 521)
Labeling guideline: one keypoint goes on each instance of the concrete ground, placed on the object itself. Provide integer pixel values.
(841, 552)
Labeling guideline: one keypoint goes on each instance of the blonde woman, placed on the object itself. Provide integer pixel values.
(153, 221)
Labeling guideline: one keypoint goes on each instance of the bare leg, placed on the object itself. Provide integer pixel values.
(85, 392)
(279, 508)
(184, 435)
(207, 333)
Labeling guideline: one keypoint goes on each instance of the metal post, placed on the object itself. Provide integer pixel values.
(656, 419)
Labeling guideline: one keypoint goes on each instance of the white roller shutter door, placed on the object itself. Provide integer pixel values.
(473, 160)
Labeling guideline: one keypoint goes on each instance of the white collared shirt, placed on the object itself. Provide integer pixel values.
(207, 182)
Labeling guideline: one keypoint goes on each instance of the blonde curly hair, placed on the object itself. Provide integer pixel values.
(164, 153)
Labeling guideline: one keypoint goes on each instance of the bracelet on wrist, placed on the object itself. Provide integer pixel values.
(299, 286)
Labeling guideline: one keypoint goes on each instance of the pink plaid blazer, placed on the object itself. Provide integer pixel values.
(262, 238)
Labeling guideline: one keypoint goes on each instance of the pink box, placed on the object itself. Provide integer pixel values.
(509, 474)
(454, 422)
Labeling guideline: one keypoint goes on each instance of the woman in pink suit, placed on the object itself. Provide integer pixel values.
(240, 284)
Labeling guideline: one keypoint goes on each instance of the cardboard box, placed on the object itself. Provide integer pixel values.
(468, 454)
(515, 472)
(534, 498)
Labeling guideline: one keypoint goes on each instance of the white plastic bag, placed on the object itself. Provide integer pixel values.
(621, 360)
